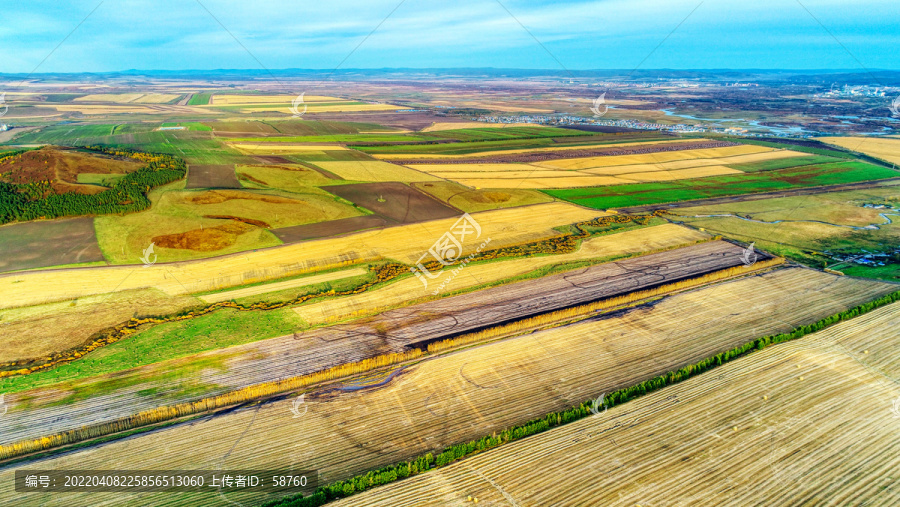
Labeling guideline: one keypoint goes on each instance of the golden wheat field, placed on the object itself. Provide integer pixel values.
(282, 148)
(244, 99)
(420, 156)
(130, 98)
(409, 290)
(348, 107)
(374, 170)
(405, 243)
(287, 284)
(878, 147)
(776, 428)
(606, 170)
(456, 397)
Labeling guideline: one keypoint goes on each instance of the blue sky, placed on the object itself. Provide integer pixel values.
(591, 34)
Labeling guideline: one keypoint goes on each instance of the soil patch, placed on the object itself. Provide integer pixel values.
(300, 233)
(204, 240)
(250, 221)
(43, 244)
(212, 176)
(395, 201)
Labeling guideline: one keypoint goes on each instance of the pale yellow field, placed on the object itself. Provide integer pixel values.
(660, 157)
(878, 147)
(238, 100)
(155, 98)
(768, 429)
(332, 108)
(607, 170)
(410, 290)
(263, 148)
(374, 170)
(404, 243)
(686, 164)
(423, 156)
(110, 97)
(438, 126)
(98, 109)
(288, 284)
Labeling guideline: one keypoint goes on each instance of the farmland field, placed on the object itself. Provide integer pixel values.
(883, 148)
(405, 243)
(778, 440)
(339, 439)
(777, 179)
(27, 245)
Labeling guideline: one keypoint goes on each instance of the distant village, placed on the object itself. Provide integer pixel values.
(632, 124)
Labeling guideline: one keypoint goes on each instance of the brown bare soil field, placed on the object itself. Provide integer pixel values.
(41, 244)
(209, 239)
(474, 392)
(402, 203)
(212, 176)
(405, 243)
(330, 228)
(61, 167)
(768, 429)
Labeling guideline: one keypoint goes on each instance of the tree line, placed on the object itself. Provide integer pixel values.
(37, 200)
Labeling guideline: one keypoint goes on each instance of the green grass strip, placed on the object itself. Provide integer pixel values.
(359, 483)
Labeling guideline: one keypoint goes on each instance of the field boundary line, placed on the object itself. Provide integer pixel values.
(259, 392)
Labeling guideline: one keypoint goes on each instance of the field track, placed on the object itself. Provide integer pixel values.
(769, 429)
(460, 396)
(394, 331)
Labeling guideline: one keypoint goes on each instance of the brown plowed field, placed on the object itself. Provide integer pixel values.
(304, 232)
(41, 244)
(212, 176)
(401, 203)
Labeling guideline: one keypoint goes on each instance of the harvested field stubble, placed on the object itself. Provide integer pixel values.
(453, 398)
(780, 439)
(403, 330)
